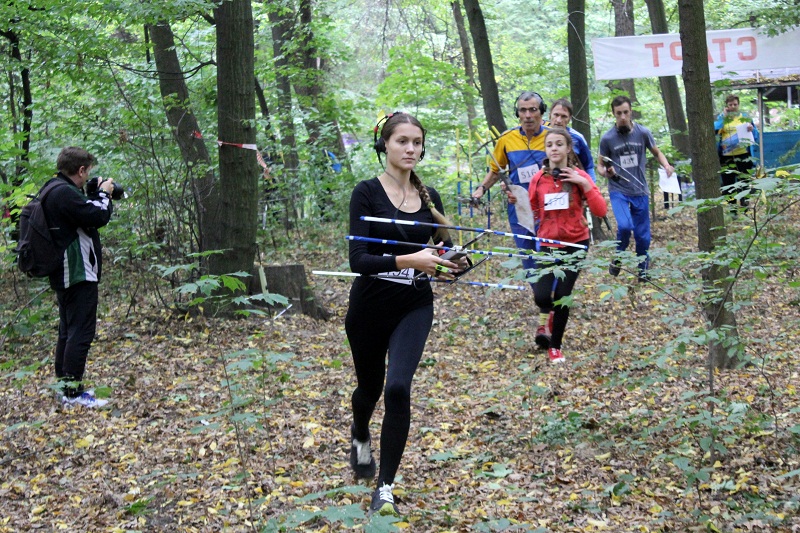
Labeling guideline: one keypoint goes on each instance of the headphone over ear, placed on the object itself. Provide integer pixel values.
(528, 95)
(378, 142)
(380, 145)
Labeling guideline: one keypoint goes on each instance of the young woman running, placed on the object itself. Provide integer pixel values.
(556, 194)
(391, 303)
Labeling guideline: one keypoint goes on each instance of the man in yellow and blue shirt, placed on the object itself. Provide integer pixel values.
(521, 150)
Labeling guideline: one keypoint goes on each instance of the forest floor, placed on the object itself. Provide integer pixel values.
(615, 439)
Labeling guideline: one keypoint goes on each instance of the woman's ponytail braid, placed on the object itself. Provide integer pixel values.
(573, 161)
(441, 233)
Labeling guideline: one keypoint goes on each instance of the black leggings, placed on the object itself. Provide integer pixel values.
(548, 289)
(370, 337)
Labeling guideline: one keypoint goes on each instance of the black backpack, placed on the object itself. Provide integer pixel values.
(37, 253)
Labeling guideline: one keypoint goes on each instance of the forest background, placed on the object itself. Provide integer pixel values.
(678, 410)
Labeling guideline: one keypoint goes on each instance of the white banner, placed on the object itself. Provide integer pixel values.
(732, 54)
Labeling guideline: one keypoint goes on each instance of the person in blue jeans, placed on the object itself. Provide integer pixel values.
(622, 162)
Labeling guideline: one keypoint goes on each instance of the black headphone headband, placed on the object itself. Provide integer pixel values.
(528, 95)
(380, 145)
(624, 130)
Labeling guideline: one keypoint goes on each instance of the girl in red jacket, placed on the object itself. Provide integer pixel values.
(556, 194)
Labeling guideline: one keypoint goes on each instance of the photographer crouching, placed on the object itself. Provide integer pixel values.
(74, 217)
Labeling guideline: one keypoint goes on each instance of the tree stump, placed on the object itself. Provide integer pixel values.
(599, 229)
(290, 281)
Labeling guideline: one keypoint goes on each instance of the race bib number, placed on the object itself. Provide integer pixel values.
(629, 161)
(525, 174)
(556, 200)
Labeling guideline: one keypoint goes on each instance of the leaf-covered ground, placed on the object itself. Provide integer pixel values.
(501, 439)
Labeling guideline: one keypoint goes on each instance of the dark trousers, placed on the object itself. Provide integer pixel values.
(735, 168)
(549, 289)
(77, 312)
(371, 335)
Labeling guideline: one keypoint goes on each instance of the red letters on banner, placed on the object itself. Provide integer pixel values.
(745, 49)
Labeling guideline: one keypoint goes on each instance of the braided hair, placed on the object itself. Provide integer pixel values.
(386, 132)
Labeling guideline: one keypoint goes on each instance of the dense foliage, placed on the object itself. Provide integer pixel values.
(595, 449)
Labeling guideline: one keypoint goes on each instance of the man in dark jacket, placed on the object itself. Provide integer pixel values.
(74, 218)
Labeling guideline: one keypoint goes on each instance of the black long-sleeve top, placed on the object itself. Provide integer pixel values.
(370, 199)
(74, 218)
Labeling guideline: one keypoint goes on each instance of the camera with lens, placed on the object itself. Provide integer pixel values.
(93, 188)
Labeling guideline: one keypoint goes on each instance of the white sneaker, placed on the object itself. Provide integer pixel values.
(383, 501)
(87, 399)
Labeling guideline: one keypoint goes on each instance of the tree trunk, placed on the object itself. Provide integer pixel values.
(669, 86)
(186, 130)
(579, 85)
(306, 83)
(290, 281)
(27, 121)
(578, 79)
(483, 55)
(287, 177)
(264, 108)
(27, 106)
(320, 117)
(469, 69)
(705, 167)
(623, 26)
(233, 219)
(310, 85)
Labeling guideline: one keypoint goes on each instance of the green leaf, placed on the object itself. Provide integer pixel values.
(203, 427)
(232, 284)
(345, 513)
(354, 490)
(168, 271)
(682, 462)
(499, 470)
(23, 425)
(139, 507)
(381, 524)
(443, 456)
(187, 288)
(790, 474)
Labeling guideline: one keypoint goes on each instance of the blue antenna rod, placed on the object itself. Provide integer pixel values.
(477, 230)
(448, 248)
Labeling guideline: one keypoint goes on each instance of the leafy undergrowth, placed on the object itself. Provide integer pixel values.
(243, 425)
